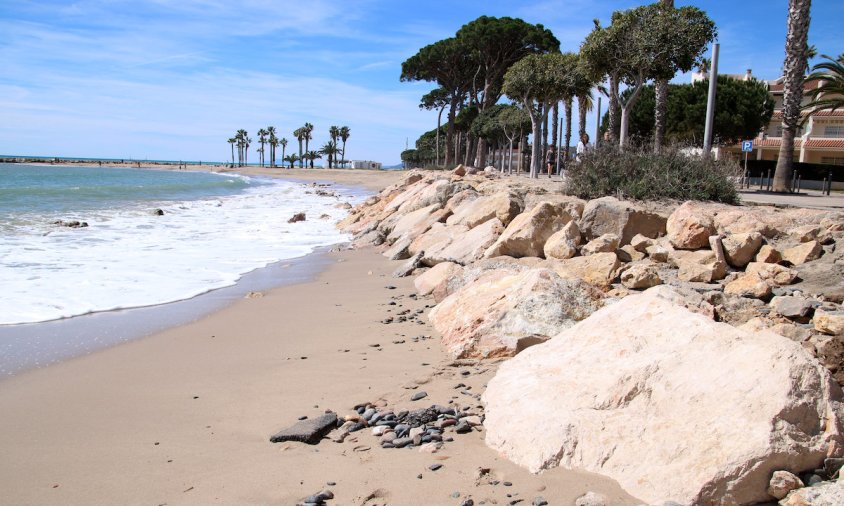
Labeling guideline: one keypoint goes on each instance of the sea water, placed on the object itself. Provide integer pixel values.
(215, 228)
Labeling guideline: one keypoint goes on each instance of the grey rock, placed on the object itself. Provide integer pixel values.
(296, 218)
(434, 467)
(407, 268)
(419, 395)
(307, 431)
(793, 308)
(539, 501)
(401, 442)
(463, 427)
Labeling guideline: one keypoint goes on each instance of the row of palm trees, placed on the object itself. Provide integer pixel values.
(303, 134)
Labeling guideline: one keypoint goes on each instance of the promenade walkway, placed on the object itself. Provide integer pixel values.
(807, 198)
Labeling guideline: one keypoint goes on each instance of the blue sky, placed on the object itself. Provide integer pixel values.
(173, 79)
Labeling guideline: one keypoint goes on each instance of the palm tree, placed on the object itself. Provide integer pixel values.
(585, 105)
(291, 159)
(308, 129)
(344, 136)
(794, 69)
(241, 140)
(312, 155)
(246, 142)
(283, 143)
(232, 141)
(300, 135)
(273, 140)
(334, 133)
(567, 107)
(262, 139)
(330, 150)
(829, 94)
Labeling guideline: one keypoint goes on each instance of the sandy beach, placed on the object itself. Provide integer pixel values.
(184, 416)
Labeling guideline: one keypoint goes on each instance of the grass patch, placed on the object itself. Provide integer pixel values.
(639, 174)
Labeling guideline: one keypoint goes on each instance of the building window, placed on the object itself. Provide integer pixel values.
(832, 160)
(834, 131)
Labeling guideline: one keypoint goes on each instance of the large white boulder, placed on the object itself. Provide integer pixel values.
(503, 205)
(503, 312)
(608, 215)
(672, 405)
(526, 235)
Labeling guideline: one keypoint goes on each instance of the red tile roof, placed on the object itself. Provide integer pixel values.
(825, 143)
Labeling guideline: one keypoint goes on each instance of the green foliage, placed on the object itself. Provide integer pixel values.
(644, 175)
(742, 110)
(464, 119)
(487, 125)
(830, 94)
(540, 78)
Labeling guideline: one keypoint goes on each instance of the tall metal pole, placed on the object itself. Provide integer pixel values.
(559, 147)
(598, 123)
(710, 102)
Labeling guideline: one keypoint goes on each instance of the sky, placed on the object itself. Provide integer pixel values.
(174, 79)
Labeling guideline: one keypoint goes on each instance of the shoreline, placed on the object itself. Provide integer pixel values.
(183, 416)
(42, 344)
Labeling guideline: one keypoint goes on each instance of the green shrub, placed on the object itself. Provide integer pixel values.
(642, 175)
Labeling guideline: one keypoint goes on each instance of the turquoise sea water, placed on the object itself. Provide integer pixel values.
(215, 228)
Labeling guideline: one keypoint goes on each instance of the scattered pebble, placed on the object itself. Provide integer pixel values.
(434, 467)
(419, 395)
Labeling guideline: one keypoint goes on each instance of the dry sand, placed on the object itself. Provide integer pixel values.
(184, 416)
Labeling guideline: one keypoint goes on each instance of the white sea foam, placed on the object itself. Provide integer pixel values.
(129, 257)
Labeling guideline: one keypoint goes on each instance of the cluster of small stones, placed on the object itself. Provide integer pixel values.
(428, 428)
(404, 315)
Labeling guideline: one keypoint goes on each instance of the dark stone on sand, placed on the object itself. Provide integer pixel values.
(356, 427)
(307, 431)
(463, 427)
(434, 467)
(539, 501)
(419, 395)
(468, 502)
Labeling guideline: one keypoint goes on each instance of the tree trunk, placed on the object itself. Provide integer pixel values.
(794, 68)
(627, 108)
(567, 138)
(439, 127)
(613, 109)
(555, 119)
(660, 110)
(544, 131)
(581, 116)
(480, 153)
(661, 92)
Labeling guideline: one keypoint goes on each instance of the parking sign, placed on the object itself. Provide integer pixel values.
(746, 146)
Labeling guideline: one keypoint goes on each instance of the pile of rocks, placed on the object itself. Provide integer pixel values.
(744, 337)
(470, 237)
(427, 428)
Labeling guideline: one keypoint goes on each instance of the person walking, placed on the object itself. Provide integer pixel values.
(583, 147)
(551, 160)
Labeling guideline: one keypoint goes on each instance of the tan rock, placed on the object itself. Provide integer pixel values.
(494, 267)
(772, 273)
(628, 392)
(829, 322)
(641, 243)
(739, 249)
(427, 281)
(599, 269)
(606, 243)
(830, 493)
(783, 482)
(768, 255)
(805, 233)
(628, 253)
(563, 244)
(592, 499)
(640, 277)
(658, 253)
(501, 313)
(805, 252)
(749, 285)
(502, 205)
(415, 223)
(791, 331)
(460, 170)
(608, 215)
(699, 267)
(439, 235)
(526, 235)
(470, 246)
(690, 226)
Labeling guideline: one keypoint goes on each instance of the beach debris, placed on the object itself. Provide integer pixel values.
(254, 295)
(71, 224)
(307, 431)
(297, 217)
(157, 212)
